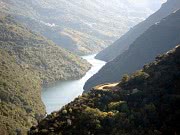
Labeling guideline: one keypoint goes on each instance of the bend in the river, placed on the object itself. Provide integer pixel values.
(64, 92)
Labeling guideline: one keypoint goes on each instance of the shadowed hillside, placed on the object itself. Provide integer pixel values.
(158, 39)
(127, 39)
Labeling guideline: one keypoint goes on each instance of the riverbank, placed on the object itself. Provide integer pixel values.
(62, 93)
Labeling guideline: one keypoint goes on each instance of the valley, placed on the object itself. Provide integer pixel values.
(89, 67)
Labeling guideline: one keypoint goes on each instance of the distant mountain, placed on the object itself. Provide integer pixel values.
(20, 92)
(83, 26)
(158, 39)
(145, 103)
(31, 50)
(127, 39)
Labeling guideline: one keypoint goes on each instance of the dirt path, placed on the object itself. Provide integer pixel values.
(107, 86)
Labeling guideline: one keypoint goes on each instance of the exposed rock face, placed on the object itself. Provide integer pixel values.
(20, 96)
(127, 39)
(158, 39)
(51, 62)
(147, 102)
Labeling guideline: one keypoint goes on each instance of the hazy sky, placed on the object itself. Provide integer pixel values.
(147, 1)
(153, 4)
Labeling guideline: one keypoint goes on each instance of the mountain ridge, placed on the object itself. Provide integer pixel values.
(123, 43)
(158, 39)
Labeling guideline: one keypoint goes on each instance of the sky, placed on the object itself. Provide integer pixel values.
(148, 1)
(152, 4)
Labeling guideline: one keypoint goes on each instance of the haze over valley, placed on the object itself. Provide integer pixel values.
(89, 67)
(83, 26)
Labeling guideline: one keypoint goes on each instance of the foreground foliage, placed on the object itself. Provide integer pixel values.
(144, 103)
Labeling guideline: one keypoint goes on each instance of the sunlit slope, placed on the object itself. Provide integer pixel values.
(20, 96)
(34, 51)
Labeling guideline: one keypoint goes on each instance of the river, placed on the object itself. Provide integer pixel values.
(62, 93)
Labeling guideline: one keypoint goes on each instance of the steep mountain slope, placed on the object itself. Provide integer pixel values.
(83, 26)
(158, 39)
(33, 50)
(145, 103)
(20, 96)
(127, 39)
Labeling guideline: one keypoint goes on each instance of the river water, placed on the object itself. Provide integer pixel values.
(64, 92)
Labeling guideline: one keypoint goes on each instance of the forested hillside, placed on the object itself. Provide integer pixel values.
(20, 96)
(158, 39)
(144, 103)
(34, 51)
(123, 43)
